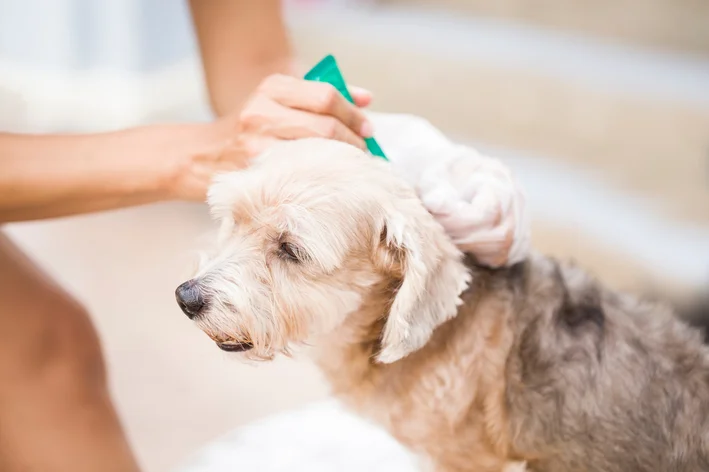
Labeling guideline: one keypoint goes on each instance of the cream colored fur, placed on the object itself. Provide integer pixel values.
(294, 193)
(533, 367)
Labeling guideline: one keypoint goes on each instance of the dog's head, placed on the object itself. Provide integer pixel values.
(308, 233)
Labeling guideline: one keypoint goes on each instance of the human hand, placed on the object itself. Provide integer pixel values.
(281, 108)
(480, 205)
(285, 107)
(474, 197)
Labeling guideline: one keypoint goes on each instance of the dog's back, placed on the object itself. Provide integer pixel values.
(603, 381)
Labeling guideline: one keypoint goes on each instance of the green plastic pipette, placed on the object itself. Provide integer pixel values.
(327, 71)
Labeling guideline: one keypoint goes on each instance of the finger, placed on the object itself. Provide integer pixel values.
(318, 98)
(491, 247)
(492, 260)
(462, 218)
(486, 207)
(495, 240)
(297, 124)
(362, 97)
(440, 200)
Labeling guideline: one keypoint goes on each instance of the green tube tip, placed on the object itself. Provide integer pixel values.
(328, 71)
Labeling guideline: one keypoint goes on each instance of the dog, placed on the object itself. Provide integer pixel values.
(534, 367)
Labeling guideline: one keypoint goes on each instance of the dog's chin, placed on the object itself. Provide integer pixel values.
(233, 346)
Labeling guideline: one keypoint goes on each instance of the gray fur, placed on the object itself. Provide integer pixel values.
(601, 381)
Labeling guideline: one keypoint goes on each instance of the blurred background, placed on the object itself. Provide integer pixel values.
(601, 107)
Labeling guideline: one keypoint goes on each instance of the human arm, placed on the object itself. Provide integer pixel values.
(241, 42)
(46, 176)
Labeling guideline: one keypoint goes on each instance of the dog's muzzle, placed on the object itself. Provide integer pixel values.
(192, 302)
(190, 299)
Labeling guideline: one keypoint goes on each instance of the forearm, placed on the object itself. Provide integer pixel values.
(51, 176)
(241, 42)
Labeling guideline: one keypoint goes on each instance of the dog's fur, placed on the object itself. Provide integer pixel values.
(537, 367)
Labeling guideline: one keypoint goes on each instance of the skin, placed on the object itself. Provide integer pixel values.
(55, 410)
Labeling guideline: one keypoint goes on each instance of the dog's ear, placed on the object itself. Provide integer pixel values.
(432, 277)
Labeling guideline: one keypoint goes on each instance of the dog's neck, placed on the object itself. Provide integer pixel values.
(346, 355)
(456, 355)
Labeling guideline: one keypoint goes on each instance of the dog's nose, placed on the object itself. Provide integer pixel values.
(190, 299)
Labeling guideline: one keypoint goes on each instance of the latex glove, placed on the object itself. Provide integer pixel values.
(474, 197)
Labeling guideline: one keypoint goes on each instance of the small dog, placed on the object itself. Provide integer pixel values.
(535, 367)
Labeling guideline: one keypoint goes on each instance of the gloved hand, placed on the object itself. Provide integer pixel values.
(474, 197)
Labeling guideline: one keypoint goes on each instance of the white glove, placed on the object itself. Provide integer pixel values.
(475, 198)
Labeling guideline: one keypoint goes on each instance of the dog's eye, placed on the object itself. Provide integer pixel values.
(290, 251)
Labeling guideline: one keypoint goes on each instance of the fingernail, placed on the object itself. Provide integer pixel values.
(358, 90)
(366, 131)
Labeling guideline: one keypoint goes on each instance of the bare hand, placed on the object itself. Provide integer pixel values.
(284, 107)
(281, 108)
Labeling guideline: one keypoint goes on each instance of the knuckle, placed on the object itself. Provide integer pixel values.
(329, 129)
(254, 113)
(269, 83)
(264, 86)
(327, 101)
(247, 116)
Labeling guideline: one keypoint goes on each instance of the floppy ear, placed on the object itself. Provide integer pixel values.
(433, 277)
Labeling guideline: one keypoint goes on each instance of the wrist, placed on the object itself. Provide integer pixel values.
(230, 89)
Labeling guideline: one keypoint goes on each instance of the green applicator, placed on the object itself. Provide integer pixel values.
(327, 71)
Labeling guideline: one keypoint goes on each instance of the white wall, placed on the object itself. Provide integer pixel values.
(89, 65)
